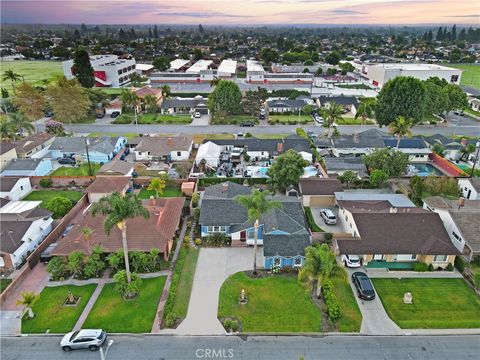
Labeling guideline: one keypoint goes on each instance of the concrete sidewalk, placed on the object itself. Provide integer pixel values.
(384, 273)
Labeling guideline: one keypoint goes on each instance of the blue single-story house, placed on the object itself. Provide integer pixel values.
(27, 167)
(283, 232)
(100, 150)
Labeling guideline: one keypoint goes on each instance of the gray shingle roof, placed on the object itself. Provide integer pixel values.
(285, 245)
(294, 142)
(7, 183)
(23, 164)
(75, 144)
(342, 100)
(11, 235)
(371, 138)
(346, 163)
(287, 104)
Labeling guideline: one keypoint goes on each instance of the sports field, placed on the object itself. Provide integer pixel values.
(470, 74)
(32, 71)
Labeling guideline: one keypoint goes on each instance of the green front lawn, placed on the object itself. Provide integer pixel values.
(50, 314)
(351, 319)
(233, 120)
(353, 121)
(164, 119)
(185, 283)
(275, 304)
(114, 314)
(167, 192)
(470, 74)
(33, 71)
(113, 134)
(81, 170)
(4, 283)
(199, 138)
(46, 195)
(289, 119)
(472, 112)
(437, 303)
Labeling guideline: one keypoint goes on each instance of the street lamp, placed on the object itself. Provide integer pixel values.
(88, 157)
(477, 145)
(103, 356)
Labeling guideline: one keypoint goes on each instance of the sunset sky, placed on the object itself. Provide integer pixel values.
(242, 12)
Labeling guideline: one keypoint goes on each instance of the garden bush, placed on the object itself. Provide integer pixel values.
(460, 263)
(430, 267)
(333, 309)
(328, 236)
(169, 315)
(170, 319)
(57, 267)
(311, 222)
(420, 267)
(198, 242)
(449, 267)
(59, 206)
(46, 182)
(217, 240)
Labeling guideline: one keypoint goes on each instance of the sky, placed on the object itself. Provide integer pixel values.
(242, 12)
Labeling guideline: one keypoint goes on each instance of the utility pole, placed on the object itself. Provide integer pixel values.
(88, 158)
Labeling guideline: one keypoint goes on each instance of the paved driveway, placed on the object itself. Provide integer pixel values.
(340, 227)
(201, 121)
(214, 266)
(375, 320)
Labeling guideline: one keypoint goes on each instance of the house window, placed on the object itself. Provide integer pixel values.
(139, 153)
(21, 187)
(440, 258)
(297, 262)
(179, 153)
(456, 236)
(276, 261)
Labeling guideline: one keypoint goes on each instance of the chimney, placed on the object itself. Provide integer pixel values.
(279, 147)
(170, 141)
(224, 187)
(461, 202)
(393, 210)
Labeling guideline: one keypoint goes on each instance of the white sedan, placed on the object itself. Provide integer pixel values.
(351, 261)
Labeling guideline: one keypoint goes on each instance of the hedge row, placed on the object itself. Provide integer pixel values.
(334, 311)
(169, 316)
(311, 222)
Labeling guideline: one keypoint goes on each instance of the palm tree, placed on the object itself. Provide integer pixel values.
(12, 76)
(150, 103)
(130, 99)
(20, 123)
(7, 130)
(400, 128)
(28, 299)
(214, 81)
(87, 233)
(117, 209)
(333, 114)
(257, 204)
(166, 90)
(366, 109)
(466, 150)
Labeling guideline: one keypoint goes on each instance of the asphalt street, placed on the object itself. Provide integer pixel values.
(252, 348)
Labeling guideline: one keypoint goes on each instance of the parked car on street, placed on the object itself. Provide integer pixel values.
(67, 161)
(459, 112)
(247, 124)
(351, 261)
(262, 117)
(363, 285)
(90, 339)
(115, 114)
(328, 216)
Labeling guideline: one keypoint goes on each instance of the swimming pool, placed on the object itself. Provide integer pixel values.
(424, 170)
(310, 171)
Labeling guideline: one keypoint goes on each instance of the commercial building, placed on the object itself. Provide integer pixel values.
(256, 74)
(379, 74)
(109, 70)
(179, 65)
(200, 65)
(227, 68)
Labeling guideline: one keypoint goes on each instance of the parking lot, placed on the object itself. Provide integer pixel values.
(340, 227)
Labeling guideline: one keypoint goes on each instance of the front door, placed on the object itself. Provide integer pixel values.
(243, 235)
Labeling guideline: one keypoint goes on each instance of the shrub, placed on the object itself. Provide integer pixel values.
(460, 263)
(124, 288)
(75, 263)
(59, 206)
(301, 132)
(449, 267)
(328, 236)
(195, 198)
(46, 182)
(248, 135)
(57, 267)
(430, 267)
(420, 267)
(476, 260)
(170, 319)
(217, 240)
(186, 239)
(196, 214)
(333, 309)
(476, 280)
(198, 242)
(311, 222)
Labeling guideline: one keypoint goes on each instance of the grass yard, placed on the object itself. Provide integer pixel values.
(50, 312)
(351, 319)
(289, 119)
(115, 315)
(353, 121)
(113, 134)
(4, 283)
(46, 195)
(437, 303)
(275, 304)
(472, 112)
(354, 86)
(33, 71)
(271, 136)
(186, 274)
(81, 170)
(164, 119)
(167, 192)
(199, 138)
(470, 75)
(233, 120)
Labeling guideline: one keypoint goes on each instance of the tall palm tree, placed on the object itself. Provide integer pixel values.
(400, 128)
(7, 130)
(117, 209)
(21, 124)
(333, 114)
(130, 99)
(366, 109)
(150, 103)
(28, 299)
(257, 204)
(166, 90)
(12, 76)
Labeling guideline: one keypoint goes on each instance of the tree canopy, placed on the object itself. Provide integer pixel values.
(392, 162)
(286, 170)
(82, 68)
(68, 100)
(226, 99)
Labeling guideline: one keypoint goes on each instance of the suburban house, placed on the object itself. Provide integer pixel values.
(185, 106)
(7, 154)
(415, 148)
(470, 188)
(34, 146)
(358, 144)
(461, 220)
(27, 167)
(393, 237)
(100, 149)
(14, 188)
(474, 104)
(23, 226)
(114, 106)
(319, 191)
(158, 231)
(279, 106)
(116, 168)
(452, 147)
(148, 90)
(337, 166)
(161, 148)
(104, 186)
(282, 232)
(349, 103)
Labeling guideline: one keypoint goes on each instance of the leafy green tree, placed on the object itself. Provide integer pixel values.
(217, 239)
(161, 63)
(157, 185)
(268, 55)
(75, 263)
(401, 96)
(82, 68)
(416, 190)
(30, 101)
(29, 298)
(225, 100)
(348, 177)
(166, 90)
(117, 209)
(347, 67)
(59, 206)
(392, 162)
(439, 149)
(127, 285)
(154, 255)
(400, 128)
(366, 109)
(57, 267)
(457, 99)
(7, 130)
(436, 100)
(466, 150)
(378, 177)
(257, 204)
(11, 76)
(333, 58)
(21, 124)
(307, 109)
(286, 170)
(150, 103)
(94, 265)
(116, 260)
(68, 100)
(136, 80)
(129, 99)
